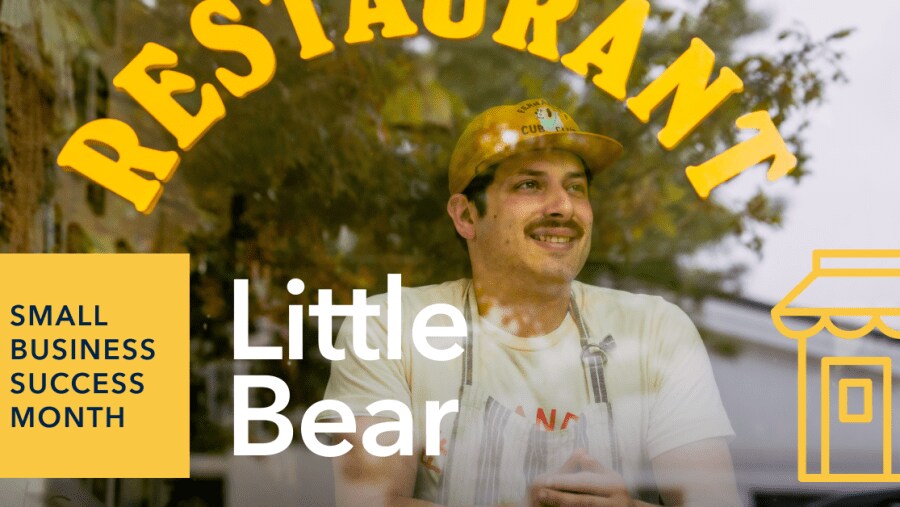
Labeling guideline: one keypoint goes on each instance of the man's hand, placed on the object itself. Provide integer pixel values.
(581, 482)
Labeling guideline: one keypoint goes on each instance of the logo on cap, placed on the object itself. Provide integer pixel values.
(549, 119)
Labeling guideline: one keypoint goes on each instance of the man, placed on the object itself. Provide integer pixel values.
(569, 394)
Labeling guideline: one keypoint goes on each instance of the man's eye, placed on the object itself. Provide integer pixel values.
(527, 185)
(579, 188)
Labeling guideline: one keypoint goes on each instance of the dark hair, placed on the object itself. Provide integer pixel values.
(476, 190)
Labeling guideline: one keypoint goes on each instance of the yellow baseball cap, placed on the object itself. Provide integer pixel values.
(535, 124)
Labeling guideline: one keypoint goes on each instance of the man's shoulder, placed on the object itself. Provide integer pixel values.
(450, 292)
(607, 301)
(596, 295)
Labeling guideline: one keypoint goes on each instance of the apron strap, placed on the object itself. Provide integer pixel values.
(595, 356)
(467, 348)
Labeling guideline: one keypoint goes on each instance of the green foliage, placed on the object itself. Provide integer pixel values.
(336, 171)
(341, 161)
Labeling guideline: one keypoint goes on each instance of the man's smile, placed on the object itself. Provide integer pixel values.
(552, 239)
(555, 236)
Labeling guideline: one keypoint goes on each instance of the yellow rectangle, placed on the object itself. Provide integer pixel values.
(827, 364)
(85, 339)
(844, 386)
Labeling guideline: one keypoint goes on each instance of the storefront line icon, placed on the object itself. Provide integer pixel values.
(833, 272)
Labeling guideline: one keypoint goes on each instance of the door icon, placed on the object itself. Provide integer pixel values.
(857, 408)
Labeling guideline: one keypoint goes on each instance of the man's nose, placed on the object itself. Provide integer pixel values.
(559, 202)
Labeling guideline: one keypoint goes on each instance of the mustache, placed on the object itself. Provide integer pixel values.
(574, 226)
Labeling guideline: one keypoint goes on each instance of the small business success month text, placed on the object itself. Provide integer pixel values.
(78, 366)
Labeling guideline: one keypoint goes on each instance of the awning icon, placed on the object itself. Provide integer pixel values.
(856, 282)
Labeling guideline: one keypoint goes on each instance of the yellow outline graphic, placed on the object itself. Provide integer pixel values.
(825, 321)
(844, 386)
(825, 315)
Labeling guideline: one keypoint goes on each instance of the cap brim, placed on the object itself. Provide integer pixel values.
(598, 152)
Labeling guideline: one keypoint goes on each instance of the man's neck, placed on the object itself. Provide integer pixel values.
(524, 310)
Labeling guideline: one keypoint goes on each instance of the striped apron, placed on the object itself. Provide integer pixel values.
(495, 454)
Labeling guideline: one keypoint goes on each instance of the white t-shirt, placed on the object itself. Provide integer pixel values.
(658, 378)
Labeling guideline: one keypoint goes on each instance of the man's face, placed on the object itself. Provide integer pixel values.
(537, 220)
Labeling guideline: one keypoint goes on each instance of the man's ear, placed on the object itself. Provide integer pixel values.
(461, 211)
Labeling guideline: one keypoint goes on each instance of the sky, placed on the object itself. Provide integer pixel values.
(852, 197)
